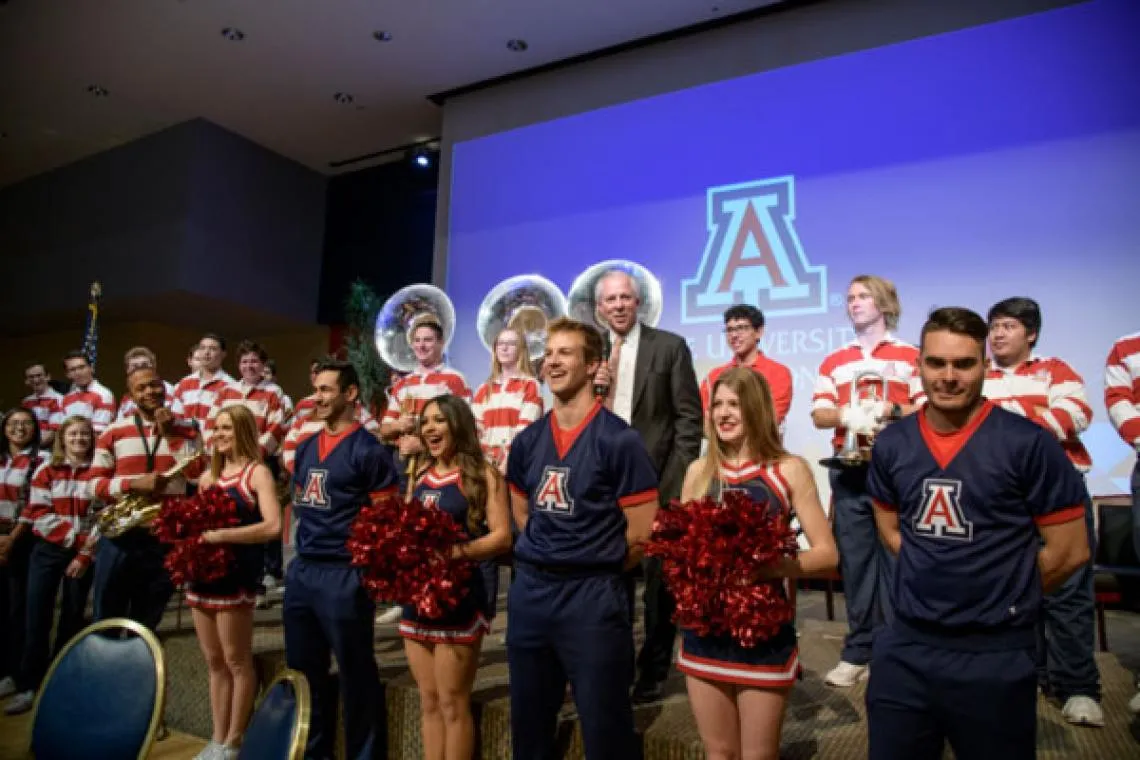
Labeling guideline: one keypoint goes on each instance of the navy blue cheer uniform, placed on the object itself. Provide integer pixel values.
(957, 664)
(327, 610)
(467, 623)
(770, 664)
(569, 602)
(239, 587)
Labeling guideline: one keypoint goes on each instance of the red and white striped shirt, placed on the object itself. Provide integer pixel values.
(47, 407)
(62, 506)
(15, 477)
(304, 408)
(121, 456)
(264, 402)
(303, 427)
(95, 402)
(197, 395)
(502, 409)
(1049, 392)
(1122, 388)
(127, 404)
(410, 394)
(896, 361)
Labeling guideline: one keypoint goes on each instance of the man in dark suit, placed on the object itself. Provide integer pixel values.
(653, 387)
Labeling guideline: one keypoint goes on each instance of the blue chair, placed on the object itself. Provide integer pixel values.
(1116, 563)
(103, 696)
(279, 728)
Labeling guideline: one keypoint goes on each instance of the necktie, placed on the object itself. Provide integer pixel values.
(614, 363)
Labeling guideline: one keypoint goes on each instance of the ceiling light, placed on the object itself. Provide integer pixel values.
(97, 91)
(517, 46)
(343, 98)
(381, 35)
(233, 34)
(423, 156)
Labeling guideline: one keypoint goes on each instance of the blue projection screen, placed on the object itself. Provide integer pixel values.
(967, 167)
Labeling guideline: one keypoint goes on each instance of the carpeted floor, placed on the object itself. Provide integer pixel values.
(15, 734)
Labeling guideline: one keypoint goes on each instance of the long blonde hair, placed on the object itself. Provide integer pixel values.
(523, 361)
(758, 413)
(245, 438)
(58, 451)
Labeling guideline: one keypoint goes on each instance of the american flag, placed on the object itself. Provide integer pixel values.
(91, 329)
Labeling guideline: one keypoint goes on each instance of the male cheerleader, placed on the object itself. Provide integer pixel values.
(1052, 394)
(964, 493)
(584, 495)
(337, 471)
(130, 457)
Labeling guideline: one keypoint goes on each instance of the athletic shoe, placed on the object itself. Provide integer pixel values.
(1083, 711)
(846, 674)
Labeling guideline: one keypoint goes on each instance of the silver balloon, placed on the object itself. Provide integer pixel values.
(584, 307)
(406, 309)
(525, 304)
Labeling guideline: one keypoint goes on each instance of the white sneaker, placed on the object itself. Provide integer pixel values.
(7, 687)
(390, 615)
(1134, 704)
(846, 674)
(228, 753)
(20, 703)
(212, 751)
(1083, 711)
(269, 582)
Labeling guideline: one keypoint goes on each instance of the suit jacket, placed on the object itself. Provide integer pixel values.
(666, 408)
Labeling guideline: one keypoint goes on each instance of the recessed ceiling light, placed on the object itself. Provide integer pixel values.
(233, 34)
(381, 35)
(97, 91)
(343, 98)
(517, 46)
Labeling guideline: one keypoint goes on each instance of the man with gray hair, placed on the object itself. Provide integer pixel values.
(650, 383)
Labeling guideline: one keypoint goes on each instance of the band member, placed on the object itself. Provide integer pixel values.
(1122, 399)
(327, 610)
(965, 494)
(44, 401)
(88, 397)
(1049, 392)
(305, 406)
(743, 328)
(739, 694)
(59, 515)
(652, 386)
(271, 378)
(443, 653)
(262, 398)
(20, 456)
(197, 392)
(130, 458)
(509, 400)
(866, 565)
(223, 609)
(137, 358)
(584, 495)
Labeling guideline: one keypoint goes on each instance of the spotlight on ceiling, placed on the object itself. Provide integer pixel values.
(97, 91)
(381, 35)
(343, 98)
(233, 34)
(423, 157)
(517, 46)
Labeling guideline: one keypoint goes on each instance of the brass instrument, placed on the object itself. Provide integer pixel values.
(136, 510)
(852, 454)
(525, 304)
(582, 301)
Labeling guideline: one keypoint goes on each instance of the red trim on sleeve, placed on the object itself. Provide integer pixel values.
(516, 490)
(1068, 514)
(637, 499)
(884, 506)
(383, 493)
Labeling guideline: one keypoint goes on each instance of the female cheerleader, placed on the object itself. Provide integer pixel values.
(223, 610)
(20, 456)
(443, 653)
(738, 694)
(60, 514)
(509, 400)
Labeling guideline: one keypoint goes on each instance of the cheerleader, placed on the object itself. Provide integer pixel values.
(60, 515)
(443, 653)
(223, 610)
(509, 400)
(19, 457)
(738, 695)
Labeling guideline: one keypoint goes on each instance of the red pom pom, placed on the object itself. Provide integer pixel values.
(181, 523)
(403, 549)
(715, 555)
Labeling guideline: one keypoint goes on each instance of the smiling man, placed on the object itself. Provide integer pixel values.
(743, 329)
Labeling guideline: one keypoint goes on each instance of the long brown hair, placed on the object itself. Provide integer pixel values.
(468, 455)
(245, 438)
(758, 413)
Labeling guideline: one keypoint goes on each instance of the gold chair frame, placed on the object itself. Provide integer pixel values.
(303, 699)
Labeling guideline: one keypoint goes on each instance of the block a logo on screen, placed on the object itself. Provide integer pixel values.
(753, 256)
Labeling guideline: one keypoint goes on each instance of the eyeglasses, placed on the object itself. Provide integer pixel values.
(738, 329)
(19, 424)
(507, 343)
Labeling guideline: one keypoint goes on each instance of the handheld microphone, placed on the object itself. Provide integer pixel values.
(601, 391)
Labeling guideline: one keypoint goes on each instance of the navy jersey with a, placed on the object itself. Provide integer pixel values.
(576, 482)
(239, 586)
(968, 506)
(334, 476)
(774, 662)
